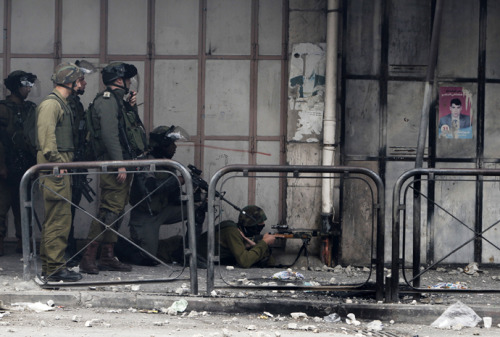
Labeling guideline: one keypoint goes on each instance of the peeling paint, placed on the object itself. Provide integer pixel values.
(306, 90)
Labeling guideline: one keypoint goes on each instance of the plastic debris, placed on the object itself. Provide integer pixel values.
(471, 268)
(332, 318)
(37, 307)
(448, 285)
(351, 319)
(375, 325)
(457, 314)
(288, 275)
(177, 306)
(487, 322)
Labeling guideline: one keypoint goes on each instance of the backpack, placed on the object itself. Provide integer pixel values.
(93, 139)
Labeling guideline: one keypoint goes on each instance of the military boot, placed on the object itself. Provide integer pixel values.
(108, 260)
(88, 264)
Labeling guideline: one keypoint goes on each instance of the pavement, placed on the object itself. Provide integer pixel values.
(255, 291)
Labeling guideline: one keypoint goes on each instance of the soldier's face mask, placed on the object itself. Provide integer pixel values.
(250, 231)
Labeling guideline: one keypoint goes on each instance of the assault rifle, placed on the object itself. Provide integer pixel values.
(198, 181)
(140, 182)
(284, 232)
(80, 180)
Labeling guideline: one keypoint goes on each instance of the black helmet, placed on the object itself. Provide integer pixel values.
(19, 78)
(116, 70)
(163, 136)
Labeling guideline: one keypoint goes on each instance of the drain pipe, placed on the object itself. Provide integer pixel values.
(329, 126)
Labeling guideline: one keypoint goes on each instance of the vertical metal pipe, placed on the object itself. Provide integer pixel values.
(424, 122)
(329, 120)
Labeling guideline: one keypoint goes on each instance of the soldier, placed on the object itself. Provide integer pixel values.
(122, 137)
(55, 143)
(163, 206)
(17, 147)
(236, 243)
(78, 180)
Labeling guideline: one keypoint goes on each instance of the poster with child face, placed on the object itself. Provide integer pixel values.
(455, 113)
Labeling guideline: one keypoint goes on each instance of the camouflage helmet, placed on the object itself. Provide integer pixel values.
(66, 73)
(19, 78)
(116, 70)
(251, 215)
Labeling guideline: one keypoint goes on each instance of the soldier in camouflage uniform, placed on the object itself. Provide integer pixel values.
(78, 110)
(17, 147)
(122, 136)
(55, 143)
(234, 242)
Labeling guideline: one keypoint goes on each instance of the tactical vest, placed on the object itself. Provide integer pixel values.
(64, 129)
(131, 130)
(19, 139)
(21, 126)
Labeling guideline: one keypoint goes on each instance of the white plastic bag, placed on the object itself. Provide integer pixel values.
(457, 314)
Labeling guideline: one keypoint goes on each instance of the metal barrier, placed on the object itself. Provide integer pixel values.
(399, 209)
(28, 212)
(345, 172)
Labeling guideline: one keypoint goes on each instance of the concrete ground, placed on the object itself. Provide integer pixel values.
(246, 291)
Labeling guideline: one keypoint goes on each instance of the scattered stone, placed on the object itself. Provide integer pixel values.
(88, 324)
(332, 280)
(308, 327)
(115, 311)
(76, 318)
(251, 327)
(351, 319)
(229, 267)
(292, 326)
(136, 287)
(375, 325)
(297, 315)
(42, 323)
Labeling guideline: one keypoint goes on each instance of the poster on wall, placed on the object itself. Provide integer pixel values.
(455, 113)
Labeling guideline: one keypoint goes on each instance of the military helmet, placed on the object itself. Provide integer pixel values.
(66, 73)
(165, 135)
(19, 78)
(116, 70)
(251, 215)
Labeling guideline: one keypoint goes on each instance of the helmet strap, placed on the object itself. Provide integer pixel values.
(124, 87)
